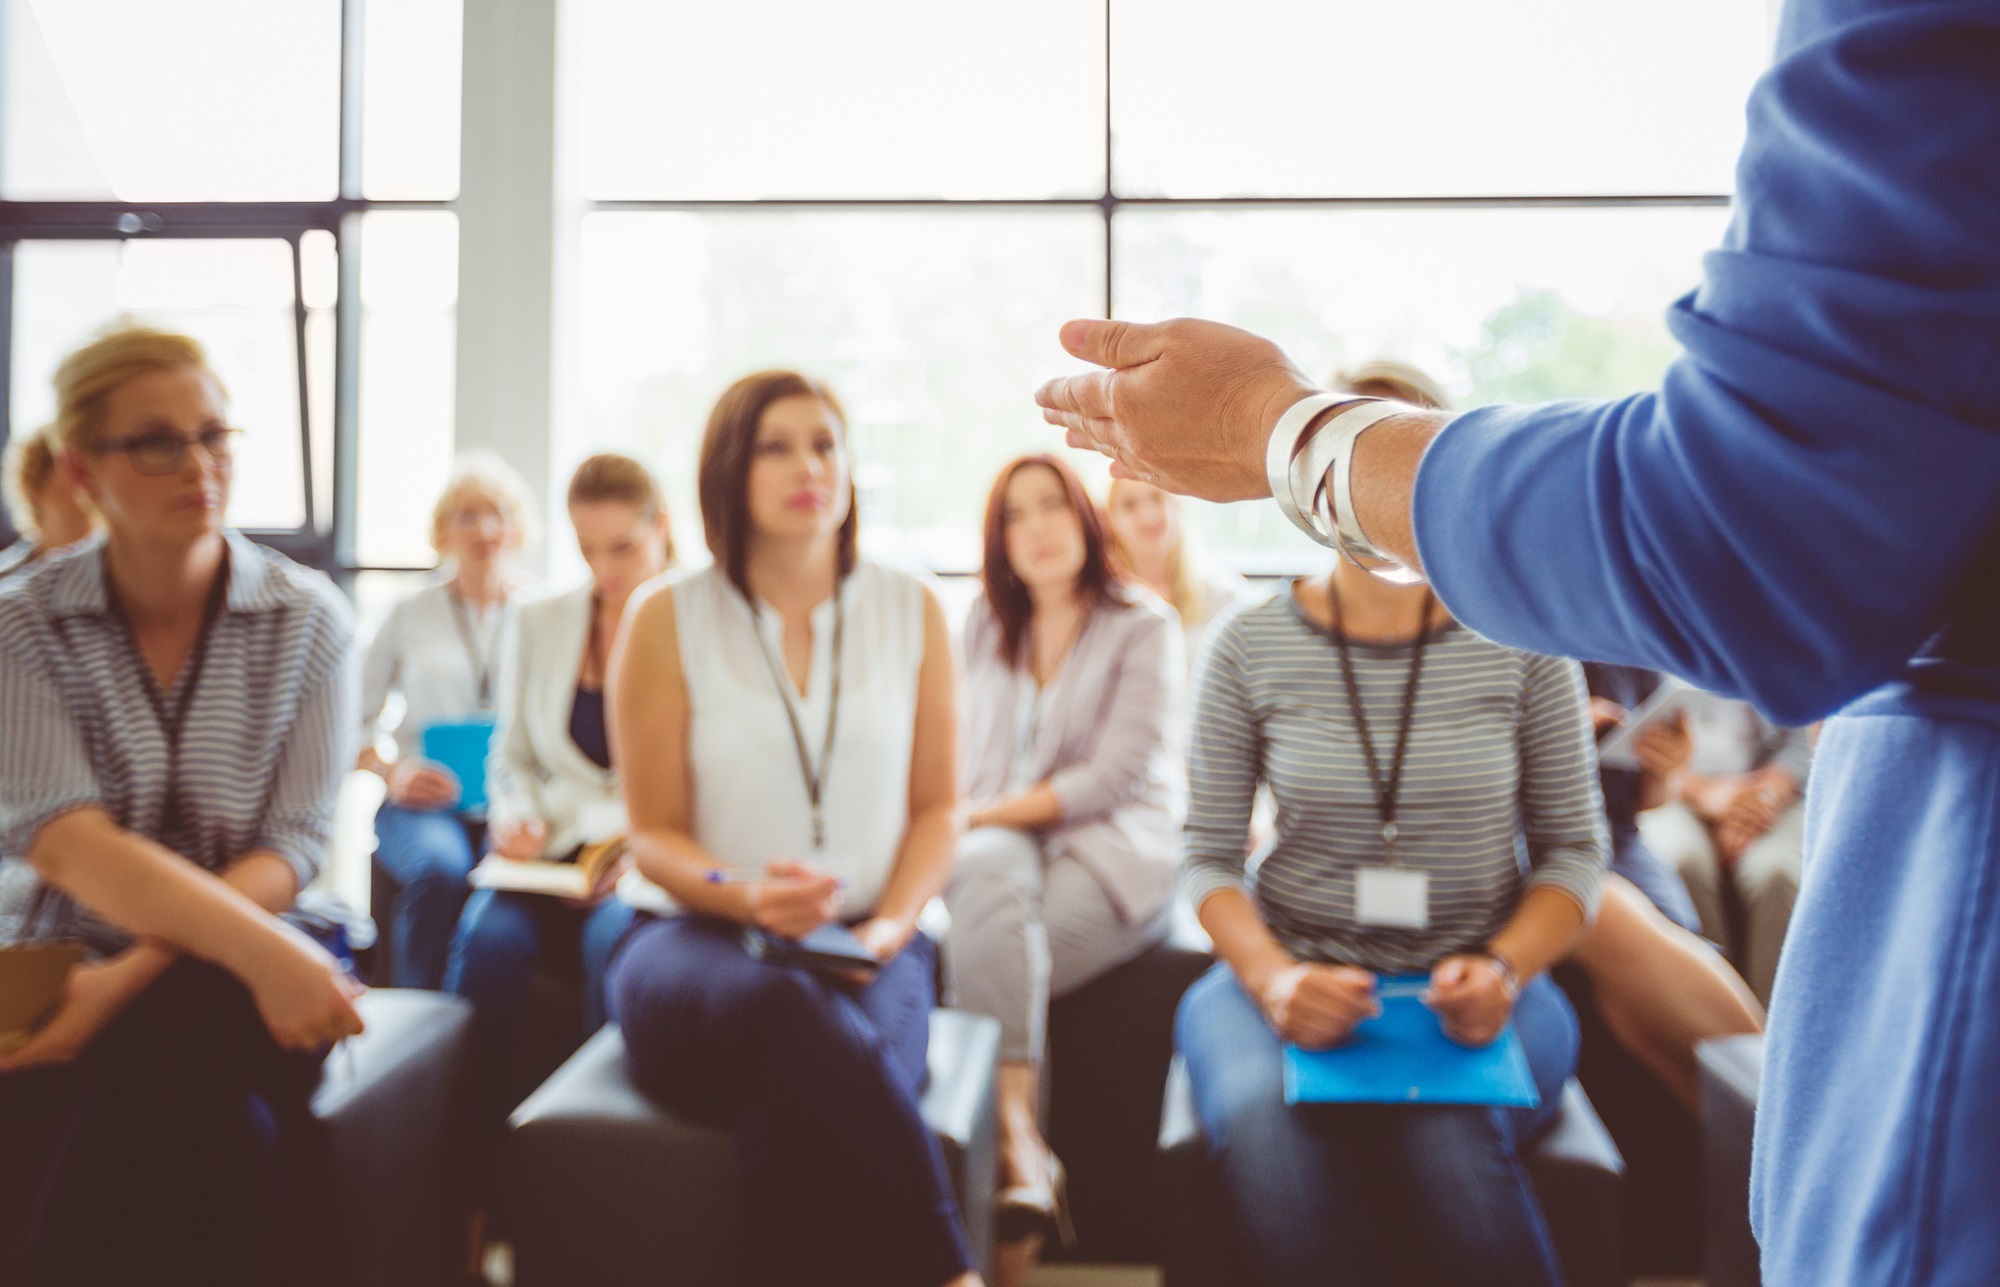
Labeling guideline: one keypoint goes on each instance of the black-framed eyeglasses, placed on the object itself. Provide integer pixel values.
(159, 453)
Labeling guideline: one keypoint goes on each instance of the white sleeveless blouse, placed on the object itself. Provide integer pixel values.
(751, 803)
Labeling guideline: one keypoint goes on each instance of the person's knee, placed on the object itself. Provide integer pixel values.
(995, 865)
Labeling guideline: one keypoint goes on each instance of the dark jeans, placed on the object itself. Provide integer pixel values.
(501, 938)
(817, 1082)
(1366, 1194)
(429, 852)
(179, 1148)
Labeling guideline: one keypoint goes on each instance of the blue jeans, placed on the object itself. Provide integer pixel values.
(501, 938)
(429, 852)
(1368, 1194)
(818, 1083)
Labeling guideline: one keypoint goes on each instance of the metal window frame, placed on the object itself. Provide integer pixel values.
(325, 540)
(328, 541)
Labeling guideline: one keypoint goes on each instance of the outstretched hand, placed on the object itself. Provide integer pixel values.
(1185, 405)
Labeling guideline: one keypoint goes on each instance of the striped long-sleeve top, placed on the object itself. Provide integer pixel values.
(267, 738)
(1499, 792)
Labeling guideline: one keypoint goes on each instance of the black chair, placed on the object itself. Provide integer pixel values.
(1732, 1074)
(387, 1103)
(600, 1185)
(1659, 1137)
(1109, 1044)
(1575, 1167)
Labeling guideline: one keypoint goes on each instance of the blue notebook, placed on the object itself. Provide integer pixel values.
(461, 746)
(1403, 1057)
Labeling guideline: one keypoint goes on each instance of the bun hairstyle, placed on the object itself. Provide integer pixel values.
(609, 476)
(87, 377)
(1397, 380)
(31, 462)
(727, 448)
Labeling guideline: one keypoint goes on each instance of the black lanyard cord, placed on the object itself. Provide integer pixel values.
(814, 775)
(172, 722)
(481, 658)
(1386, 789)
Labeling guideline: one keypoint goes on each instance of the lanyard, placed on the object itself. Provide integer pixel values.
(172, 722)
(1386, 789)
(481, 658)
(815, 776)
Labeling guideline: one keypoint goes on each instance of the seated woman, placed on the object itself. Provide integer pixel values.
(550, 785)
(1151, 546)
(784, 724)
(1072, 687)
(439, 650)
(1731, 820)
(1409, 759)
(43, 502)
(1659, 988)
(178, 717)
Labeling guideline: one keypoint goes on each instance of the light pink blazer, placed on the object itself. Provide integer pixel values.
(1108, 745)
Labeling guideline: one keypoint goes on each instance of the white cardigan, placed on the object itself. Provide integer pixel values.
(536, 770)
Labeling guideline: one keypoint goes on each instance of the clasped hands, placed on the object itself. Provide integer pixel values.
(795, 898)
(1315, 1006)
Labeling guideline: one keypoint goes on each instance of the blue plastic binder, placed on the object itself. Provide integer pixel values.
(461, 746)
(1403, 1057)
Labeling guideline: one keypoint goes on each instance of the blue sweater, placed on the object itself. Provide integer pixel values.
(1807, 515)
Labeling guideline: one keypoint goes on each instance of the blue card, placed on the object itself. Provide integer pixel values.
(461, 746)
(1403, 1057)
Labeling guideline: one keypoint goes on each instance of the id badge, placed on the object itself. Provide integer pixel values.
(1393, 897)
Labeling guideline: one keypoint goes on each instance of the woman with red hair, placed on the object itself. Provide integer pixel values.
(1066, 867)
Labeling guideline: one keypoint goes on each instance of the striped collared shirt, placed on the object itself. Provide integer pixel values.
(1499, 792)
(267, 737)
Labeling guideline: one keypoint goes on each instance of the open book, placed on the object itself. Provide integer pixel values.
(588, 872)
(32, 980)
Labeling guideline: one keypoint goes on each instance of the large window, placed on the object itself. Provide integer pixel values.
(907, 197)
(275, 179)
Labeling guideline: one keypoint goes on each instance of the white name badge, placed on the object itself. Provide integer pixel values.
(1393, 897)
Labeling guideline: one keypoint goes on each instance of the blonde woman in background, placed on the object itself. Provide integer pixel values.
(1661, 990)
(1150, 544)
(439, 650)
(43, 501)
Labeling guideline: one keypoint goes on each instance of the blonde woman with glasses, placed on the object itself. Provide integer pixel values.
(178, 717)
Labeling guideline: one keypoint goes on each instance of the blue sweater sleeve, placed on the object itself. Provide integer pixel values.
(1798, 507)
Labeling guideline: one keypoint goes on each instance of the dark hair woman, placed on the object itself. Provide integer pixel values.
(1072, 682)
(784, 723)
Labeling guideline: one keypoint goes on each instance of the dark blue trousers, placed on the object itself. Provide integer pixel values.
(818, 1082)
(429, 852)
(1372, 1194)
(179, 1148)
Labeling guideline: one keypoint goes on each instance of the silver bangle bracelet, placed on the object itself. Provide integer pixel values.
(1332, 449)
(1280, 453)
(1311, 479)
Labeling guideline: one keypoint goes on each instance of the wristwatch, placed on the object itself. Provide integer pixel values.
(1509, 979)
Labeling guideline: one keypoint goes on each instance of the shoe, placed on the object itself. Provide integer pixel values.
(1023, 1211)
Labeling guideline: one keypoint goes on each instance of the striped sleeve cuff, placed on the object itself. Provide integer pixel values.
(1200, 879)
(1577, 873)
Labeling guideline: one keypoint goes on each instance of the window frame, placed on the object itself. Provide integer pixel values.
(1110, 202)
(325, 540)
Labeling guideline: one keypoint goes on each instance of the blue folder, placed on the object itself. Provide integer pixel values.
(461, 746)
(1403, 1057)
